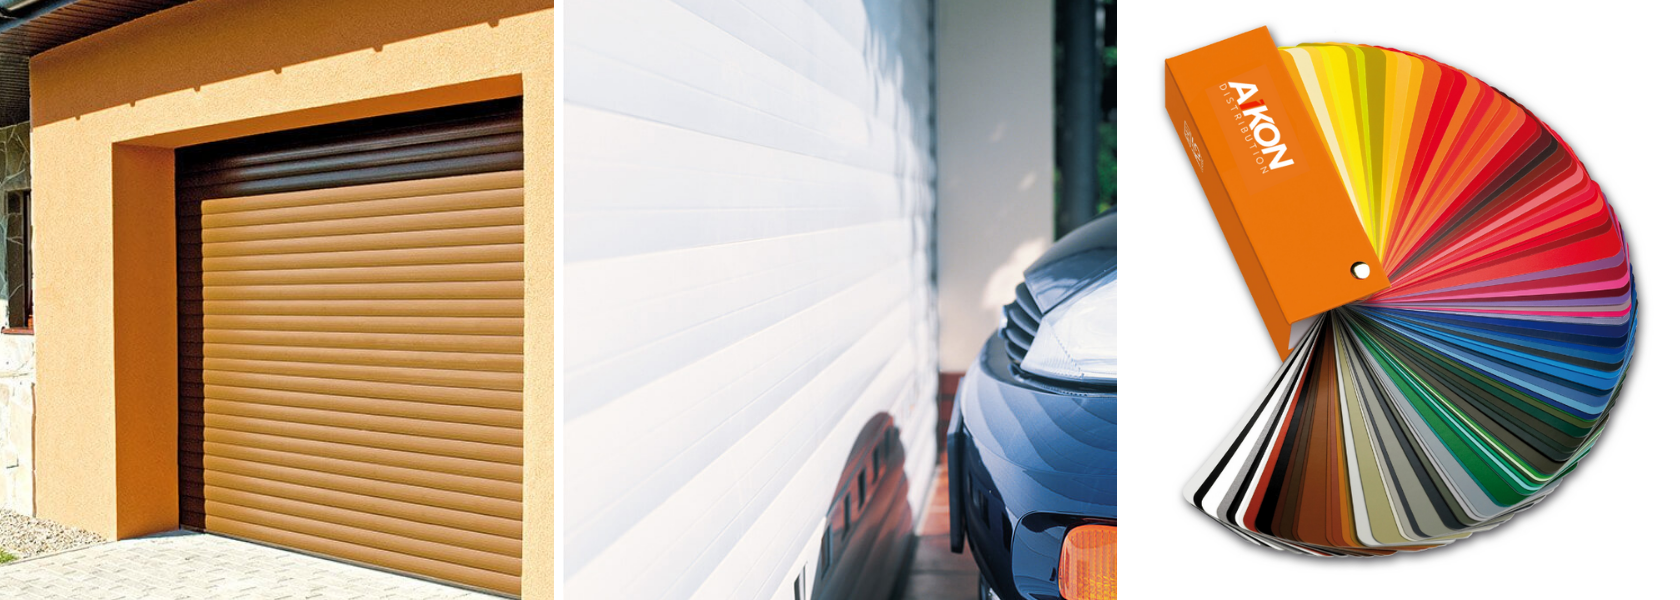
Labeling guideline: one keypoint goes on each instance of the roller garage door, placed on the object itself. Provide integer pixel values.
(351, 314)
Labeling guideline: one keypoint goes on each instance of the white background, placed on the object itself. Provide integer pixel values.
(1197, 352)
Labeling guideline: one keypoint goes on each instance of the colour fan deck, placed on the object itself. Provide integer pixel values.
(1464, 392)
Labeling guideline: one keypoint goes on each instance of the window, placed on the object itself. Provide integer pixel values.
(20, 296)
(848, 502)
(861, 493)
(822, 556)
(799, 586)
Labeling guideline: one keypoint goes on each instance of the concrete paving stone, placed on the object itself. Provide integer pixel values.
(944, 586)
(182, 565)
(937, 556)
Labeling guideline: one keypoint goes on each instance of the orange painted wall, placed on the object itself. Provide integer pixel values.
(108, 110)
(143, 283)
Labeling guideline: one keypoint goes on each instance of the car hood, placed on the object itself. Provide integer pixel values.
(1080, 259)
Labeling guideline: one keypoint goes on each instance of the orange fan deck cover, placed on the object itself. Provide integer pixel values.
(1274, 189)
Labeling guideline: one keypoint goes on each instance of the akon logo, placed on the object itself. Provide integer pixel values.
(1260, 131)
(1256, 127)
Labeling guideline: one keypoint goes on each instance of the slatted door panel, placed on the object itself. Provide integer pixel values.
(351, 309)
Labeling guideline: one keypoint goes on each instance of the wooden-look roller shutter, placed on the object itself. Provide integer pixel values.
(351, 314)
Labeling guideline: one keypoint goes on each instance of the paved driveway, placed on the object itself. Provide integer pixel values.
(184, 565)
(936, 573)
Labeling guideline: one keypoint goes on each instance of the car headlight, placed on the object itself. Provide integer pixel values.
(1075, 341)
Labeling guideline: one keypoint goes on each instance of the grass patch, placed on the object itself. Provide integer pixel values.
(6, 557)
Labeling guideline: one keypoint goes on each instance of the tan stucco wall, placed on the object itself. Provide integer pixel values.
(997, 161)
(107, 109)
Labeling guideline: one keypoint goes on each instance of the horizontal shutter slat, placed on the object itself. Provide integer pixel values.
(439, 167)
(505, 363)
(395, 158)
(470, 432)
(448, 326)
(396, 274)
(430, 204)
(396, 240)
(455, 378)
(414, 494)
(473, 415)
(380, 456)
(444, 290)
(465, 484)
(480, 217)
(511, 344)
(367, 308)
(445, 570)
(499, 399)
(408, 136)
(357, 437)
(423, 530)
(460, 554)
(453, 255)
(201, 483)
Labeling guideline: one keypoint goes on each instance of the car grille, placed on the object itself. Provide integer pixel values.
(1021, 319)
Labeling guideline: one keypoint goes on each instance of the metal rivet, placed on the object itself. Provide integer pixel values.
(1361, 270)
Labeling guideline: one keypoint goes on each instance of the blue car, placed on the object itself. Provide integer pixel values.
(1031, 445)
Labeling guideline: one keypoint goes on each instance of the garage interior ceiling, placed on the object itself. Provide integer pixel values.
(43, 25)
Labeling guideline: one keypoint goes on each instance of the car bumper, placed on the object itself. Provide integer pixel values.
(1026, 465)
